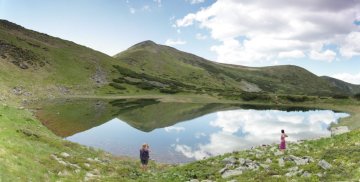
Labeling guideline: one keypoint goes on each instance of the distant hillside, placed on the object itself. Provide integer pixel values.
(347, 87)
(36, 64)
(161, 61)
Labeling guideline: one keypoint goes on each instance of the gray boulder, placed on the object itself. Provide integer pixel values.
(325, 165)
(229, 160)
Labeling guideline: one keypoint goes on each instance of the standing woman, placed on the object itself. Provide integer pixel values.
(282, 141)
(144, 156)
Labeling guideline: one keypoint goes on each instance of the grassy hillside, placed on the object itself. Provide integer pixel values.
(37, 64)
(160, 65)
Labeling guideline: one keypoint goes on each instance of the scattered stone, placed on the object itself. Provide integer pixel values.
(63, 173)
(319, 175)
(233, 180)
(276, 176)
(306, 174)
(293, 168)
(274, 148)
(62, 162)
(77, 171)
(96, 172)
(277, 153)
(86, 164)
(221, 171)
(357, 144)
(206, 180)
(89, 176)
(242, 161)
(268, 161)
(194, 180)
(74, 166)
(265, 166)
(230, 173)
(281, 162)
(229, 160)
(325, 165)
(65, 155)
(292, 173)
(339, 130)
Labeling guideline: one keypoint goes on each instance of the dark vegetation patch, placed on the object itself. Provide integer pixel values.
(126, 105)
(357, 96)
(295, 98)
(20, 57)
(339, 96)
(246, 96)
(148, 82)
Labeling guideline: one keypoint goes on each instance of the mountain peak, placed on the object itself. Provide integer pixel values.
(147, 43)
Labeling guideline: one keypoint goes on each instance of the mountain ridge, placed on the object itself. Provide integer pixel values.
(39, 63)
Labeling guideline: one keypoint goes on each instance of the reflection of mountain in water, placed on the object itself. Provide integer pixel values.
(68, 117)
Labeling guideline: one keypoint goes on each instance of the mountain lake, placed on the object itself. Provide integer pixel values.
(179, 132)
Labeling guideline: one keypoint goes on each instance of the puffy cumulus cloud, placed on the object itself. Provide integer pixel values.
(351, 46)
(327, 55)
(200, 36)
(291, 54)
(174, 129)
(171, 42)
(242, 129)
(254, 30)
(351, 78)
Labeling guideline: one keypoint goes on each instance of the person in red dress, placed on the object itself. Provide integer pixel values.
(282, 141)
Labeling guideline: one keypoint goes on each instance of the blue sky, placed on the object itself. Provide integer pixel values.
(322, 36)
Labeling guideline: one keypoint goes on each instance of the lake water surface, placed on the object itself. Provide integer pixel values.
(181, 132)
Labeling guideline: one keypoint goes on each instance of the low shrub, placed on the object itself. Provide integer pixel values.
(357, 96)
(338, 96)
(117, 86)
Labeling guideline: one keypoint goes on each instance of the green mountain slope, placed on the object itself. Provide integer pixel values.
(166, 62)
(36, 64)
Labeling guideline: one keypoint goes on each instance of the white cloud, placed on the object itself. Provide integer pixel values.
(350, 78)
(171, 42)
(174, 129)
(327, 55)
(251, 31)
(199, 135)
(195, 1)
(351, 46)
(200, 36)
(259, 127)
(291, 54)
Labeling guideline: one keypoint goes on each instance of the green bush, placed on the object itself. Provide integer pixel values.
(169, 90)
(117, 86)
(293, 98)
(248, 96)
(338, 96)
(357, 96)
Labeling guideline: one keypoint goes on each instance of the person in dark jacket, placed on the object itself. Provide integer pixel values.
(144, 156)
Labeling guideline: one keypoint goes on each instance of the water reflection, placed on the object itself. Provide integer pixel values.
(211, 134)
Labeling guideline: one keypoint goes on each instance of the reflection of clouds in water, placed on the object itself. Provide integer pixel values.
(174, 129)
(199, 135)
(260, 127)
